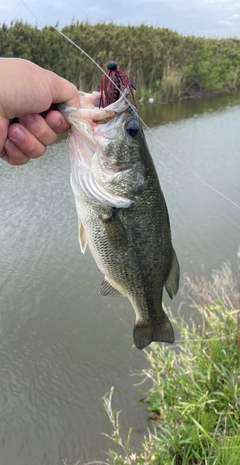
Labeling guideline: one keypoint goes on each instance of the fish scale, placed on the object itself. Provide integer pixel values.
(122, 212)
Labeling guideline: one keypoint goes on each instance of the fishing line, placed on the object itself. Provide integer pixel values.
(192, 172)
(134, 109)
(179, 342)
(207, 339)
(86, 54)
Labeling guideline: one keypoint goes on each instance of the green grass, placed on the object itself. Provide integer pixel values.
(195, 393)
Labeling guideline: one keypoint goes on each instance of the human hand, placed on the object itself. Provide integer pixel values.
(26, 90)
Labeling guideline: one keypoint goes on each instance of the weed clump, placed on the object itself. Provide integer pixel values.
(195, 393)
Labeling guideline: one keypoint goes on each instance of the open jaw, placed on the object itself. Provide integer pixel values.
(85, 118)
(93, 128)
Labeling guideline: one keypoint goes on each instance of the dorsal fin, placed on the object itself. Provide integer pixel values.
(172, 282)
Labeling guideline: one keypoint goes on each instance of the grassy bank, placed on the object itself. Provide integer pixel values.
(162, 62)
(195, 395)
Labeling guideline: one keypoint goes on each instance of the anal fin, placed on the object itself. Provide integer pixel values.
(107, 289)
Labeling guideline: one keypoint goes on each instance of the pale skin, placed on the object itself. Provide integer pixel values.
(26, 90)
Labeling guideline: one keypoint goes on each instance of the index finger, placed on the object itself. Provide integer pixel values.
(57, 122)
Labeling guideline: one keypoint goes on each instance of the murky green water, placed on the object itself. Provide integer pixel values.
(62, 345)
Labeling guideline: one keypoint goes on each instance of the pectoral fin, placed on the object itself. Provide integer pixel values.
(115, 230)
(107, 289)
(82, 237)
(172, 282)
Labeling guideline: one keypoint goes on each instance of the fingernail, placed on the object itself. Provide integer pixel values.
(10, 144)
(55, 123)
(27, 120)
(17, 135)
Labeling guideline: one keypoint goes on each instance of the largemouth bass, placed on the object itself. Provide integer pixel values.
(121, 210)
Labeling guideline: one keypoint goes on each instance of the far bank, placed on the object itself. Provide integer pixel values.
(164, 64)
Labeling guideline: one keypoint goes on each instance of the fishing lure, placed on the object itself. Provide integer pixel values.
(113, 83)
(113, 66)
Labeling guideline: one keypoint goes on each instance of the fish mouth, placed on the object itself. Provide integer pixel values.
(92, 129)
(92, 121)
(94, 115)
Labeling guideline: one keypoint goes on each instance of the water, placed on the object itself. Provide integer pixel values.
(62, 345)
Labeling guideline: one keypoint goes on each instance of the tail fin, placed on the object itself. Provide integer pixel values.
(144, 334)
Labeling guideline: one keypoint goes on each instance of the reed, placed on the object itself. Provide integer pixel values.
(171, 84)
(157, 59)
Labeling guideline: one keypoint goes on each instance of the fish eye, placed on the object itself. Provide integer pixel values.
(132, 128)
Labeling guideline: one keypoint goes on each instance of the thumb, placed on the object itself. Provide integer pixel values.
(62, 90)
(3, 134)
